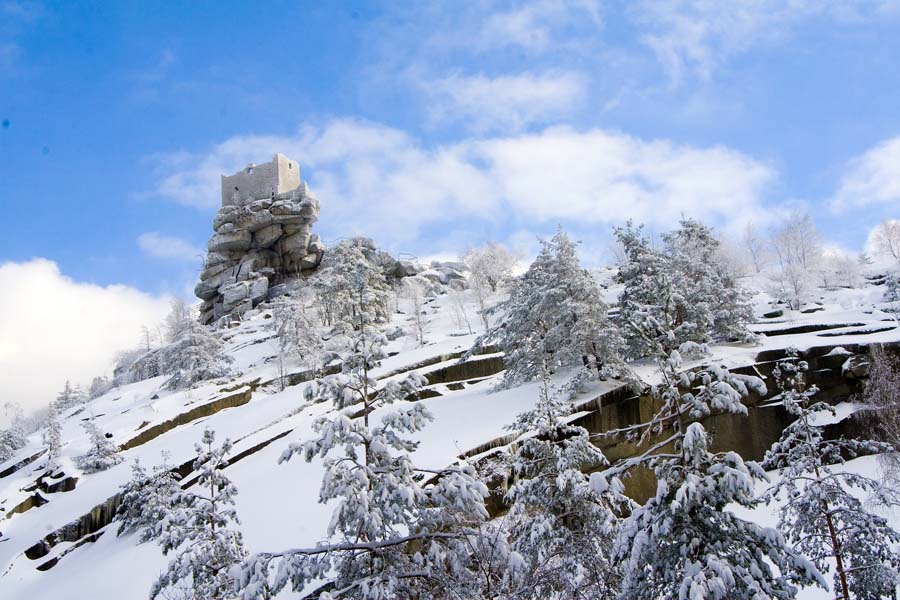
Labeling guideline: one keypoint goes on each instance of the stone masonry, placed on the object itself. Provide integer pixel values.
(263, 236)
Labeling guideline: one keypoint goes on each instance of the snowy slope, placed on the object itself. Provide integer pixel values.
(278, 503)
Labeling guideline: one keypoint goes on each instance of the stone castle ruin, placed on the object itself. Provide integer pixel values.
(263, 237)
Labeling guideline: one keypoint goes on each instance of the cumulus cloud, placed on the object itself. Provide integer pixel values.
(507, 102)
(53, 328)
(871, 179)
(377, 180)
(158, 245)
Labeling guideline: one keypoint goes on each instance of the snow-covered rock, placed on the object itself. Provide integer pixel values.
(259, 240)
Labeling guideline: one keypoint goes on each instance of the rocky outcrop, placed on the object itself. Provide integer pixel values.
(258, 243)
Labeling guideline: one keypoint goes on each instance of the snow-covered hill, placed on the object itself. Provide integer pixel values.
(278, 503)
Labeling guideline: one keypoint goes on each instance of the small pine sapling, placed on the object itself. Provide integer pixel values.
(102, 452)
(53, 440)
(200, 531)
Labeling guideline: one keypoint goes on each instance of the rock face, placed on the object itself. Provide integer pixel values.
(263, 236)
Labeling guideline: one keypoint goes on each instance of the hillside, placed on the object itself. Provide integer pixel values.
(277, 503)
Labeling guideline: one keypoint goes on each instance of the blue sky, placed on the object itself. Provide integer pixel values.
(428, 126)
(766, 104)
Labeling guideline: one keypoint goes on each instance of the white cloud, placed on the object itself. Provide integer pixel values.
(158, 245)
(697, 36)
(871, 179)
(53, 328)
(378, 181)
(505, 102)
(532, 25)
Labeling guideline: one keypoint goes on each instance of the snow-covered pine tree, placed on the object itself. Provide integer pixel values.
(12, 438)
(714, 293)
(130, 513)
(892, 294)
(683, 287)
(296, 335)
(195, 356)
(99, 386)
(683, 542)
(392, 535)
(146, 500)
(102, 452)
(555, 317)
(70, 396)
(200, 531)
(561, 527)
(820, 514)
(53, 440)
(351, 288)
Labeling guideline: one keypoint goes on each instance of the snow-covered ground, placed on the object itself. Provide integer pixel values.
(278, 504)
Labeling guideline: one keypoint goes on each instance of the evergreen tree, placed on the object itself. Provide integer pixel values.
(820, 514)
(296, 335)
(392, 534)
(147, 499)
(561, 527)
(70, 396)
(683, 542)
(102, 453)
(195, 356)
(200, 530)
(13, 437)
(99, 386)
(715, 298)
(350, 286)
(555, 317)
(682, 288)
(892, 294)
(53, 440)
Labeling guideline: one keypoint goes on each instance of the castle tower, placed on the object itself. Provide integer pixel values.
(263, 238)
(256, 182)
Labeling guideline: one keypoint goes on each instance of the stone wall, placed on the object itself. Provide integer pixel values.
(274, 178)
(258, 243)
